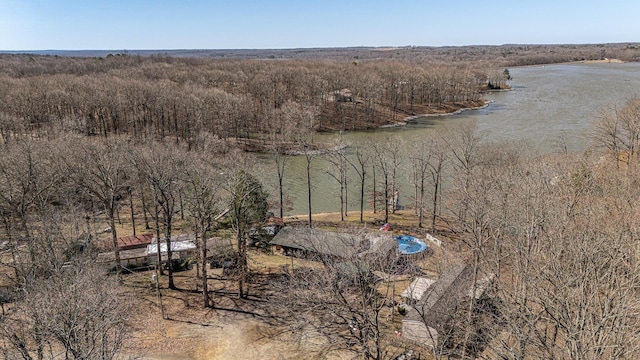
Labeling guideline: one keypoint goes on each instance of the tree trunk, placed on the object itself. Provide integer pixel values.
(133, 218)
(181, 205)
(386, 198)
(341, 202)
(435, 204)
(362, 197)
(161, 271)
(375, 195)
(242, 264)
(167, 239)
(114, 239)
(346, 191)
(281, 194)
(309, 188)
(144, 210)
(206, 301)
(421, 203)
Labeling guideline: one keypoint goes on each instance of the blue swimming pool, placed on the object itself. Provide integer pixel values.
(410, 245)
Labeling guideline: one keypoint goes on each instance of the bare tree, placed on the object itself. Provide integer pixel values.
(386, 156)
(248, 207)
(463, 146)
(279, 140)
(420, 166)
(337, 170)
(436, 165)
(19, 169)
(309, 155)
(360, 164)
(562, 271)
(202, 189)
(77, 309)
(304, 121)
(569, 264)
(161, 166)
(618, 130)
(100, 170)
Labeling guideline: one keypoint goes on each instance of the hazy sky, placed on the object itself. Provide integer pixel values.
(244, 24)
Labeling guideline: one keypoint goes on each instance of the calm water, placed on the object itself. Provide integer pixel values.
(547, 103)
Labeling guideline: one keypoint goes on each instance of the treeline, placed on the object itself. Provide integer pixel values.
(500, 55)
(185, 99)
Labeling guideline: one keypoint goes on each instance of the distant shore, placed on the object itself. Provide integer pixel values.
(289, 148)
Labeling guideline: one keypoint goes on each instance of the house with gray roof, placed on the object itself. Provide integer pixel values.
(305, 242)
(426, 319)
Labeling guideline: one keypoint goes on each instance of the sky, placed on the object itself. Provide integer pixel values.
(286, 24)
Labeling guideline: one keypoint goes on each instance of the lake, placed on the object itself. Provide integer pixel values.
(546, 104)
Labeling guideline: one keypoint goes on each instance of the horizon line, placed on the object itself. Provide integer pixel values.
(124, 50)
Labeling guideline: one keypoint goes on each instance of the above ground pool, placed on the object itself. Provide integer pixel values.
(410, 245)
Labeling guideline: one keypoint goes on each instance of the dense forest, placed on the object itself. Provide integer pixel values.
(188, 99)
(92, 146)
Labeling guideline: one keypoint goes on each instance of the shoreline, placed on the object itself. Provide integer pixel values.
(459, 111)
(412, 119)
(323, 148)
(315, 152)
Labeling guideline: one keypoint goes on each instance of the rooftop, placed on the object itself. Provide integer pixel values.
(131, 242)
(176, 246)
(318, 241)
(440, 300)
